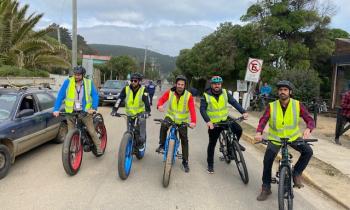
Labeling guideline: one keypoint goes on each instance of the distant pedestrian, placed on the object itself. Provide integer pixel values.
(151, 88)
(344, 116)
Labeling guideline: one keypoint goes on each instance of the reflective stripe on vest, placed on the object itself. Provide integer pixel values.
(134, 105)
(286, 126)
(178, 109)
(217, 110)
(70, 95)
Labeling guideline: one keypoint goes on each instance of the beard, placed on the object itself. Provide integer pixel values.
(283, 97)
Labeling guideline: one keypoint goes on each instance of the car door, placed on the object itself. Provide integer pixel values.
(28, 129)
(46, 103)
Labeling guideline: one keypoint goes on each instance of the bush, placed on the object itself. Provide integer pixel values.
(306, 83)
(12, 71)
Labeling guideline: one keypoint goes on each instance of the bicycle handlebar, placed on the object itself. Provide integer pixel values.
(229, 121)
(75, 113)
(306, 141)
(172, 123)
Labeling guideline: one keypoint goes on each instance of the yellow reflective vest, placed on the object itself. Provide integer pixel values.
(134, 105)
(178, 109)
(286, 126)
(71, 93)
(217, 110)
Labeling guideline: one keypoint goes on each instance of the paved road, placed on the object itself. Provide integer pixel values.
(38, 181)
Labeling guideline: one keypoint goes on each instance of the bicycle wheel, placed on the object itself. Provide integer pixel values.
(72, 152)
(240, 162)
(168, 163)
(102, 134)
(285, 197)
(125, 156)
(223, 147)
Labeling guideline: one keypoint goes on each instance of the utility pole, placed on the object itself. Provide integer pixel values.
(74, 35)
(144, 62)
(58, 34)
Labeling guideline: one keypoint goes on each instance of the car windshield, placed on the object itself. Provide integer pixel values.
(114, 84)
(7, 102)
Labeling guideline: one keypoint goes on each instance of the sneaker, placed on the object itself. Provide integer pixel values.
(160, 149)
(210, 169)
(264, 194)
(141, 147)
(297, 181)
(185, 165)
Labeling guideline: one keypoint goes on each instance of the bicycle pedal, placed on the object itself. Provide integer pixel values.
(87, 148)
(274, 181)
(221, 158)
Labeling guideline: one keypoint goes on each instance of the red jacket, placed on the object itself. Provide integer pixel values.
(190, 104)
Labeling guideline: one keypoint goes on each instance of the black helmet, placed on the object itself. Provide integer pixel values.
(181, 77)
(79, 70)
(136, 75)
(285, 83)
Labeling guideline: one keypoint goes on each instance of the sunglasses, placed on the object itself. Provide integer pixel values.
(134, 80)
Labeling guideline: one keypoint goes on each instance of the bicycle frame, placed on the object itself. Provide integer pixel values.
(171, 137)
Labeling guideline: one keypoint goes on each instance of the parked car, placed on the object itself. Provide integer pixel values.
(110, 91)
(26, 121)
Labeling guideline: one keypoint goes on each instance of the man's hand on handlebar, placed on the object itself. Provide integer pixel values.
(245, 115)
(91, 111)
(192, 125)
(56, 113)
(210, 125)
(258, 137)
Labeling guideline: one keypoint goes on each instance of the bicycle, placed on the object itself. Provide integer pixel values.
(231, 149)
(78, 140)
(171, 147)
(128, 145)
(284, 174)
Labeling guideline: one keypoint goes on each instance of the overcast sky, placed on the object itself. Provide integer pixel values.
(165, 26)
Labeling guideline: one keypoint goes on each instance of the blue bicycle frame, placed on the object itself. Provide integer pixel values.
(171, 137)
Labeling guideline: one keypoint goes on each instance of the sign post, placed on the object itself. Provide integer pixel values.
(253, 72)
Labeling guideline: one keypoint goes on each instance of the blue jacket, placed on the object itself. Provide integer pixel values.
(62, 95)
(265, 90)
(151, 88)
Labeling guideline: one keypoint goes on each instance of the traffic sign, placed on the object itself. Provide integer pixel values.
(254, 68)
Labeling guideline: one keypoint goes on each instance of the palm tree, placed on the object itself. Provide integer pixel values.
(23, 47)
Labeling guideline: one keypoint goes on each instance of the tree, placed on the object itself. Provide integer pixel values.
(23, 47)
(121, 66)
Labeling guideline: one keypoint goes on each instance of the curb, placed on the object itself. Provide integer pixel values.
(306, 177)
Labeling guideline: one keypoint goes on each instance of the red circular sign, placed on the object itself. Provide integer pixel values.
(254, 66)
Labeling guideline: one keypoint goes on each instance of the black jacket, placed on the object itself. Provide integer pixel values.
(204, 104)
(122, 97)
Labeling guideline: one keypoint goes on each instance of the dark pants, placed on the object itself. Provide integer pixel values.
(340, 126)
(141, 127)
(271, 153)
(151, 98)
(213, 138)
(183, 136)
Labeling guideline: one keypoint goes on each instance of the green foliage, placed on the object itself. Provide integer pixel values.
(306, 82)
(120, 66)
(12, 71)
(23, 47)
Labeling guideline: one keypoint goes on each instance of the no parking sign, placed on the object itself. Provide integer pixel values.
(254, 68)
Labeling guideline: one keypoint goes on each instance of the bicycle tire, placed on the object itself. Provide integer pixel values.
(168, 163)
(102, 133)
(223, 145)
(240, 162)
(125, 156)
(72, 162)
(285, 189)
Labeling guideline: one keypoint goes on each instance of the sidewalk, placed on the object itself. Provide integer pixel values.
(329, 169)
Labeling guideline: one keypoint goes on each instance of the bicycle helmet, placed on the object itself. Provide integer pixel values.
(285, 83)
(216, 79)
(181, 77)
(79, 70)
(137, 76)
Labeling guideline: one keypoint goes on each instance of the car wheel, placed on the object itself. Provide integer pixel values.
(62, 132)
(5, 160)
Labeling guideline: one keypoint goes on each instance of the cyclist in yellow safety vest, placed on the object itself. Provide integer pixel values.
(136, 102)
(283, 116)
(214, 109)
(180, 108)
(79, 95)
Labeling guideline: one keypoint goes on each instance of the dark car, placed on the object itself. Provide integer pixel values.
(26, 121)
(110, 91)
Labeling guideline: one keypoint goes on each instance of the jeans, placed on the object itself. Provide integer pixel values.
(183, 136)
(213, 138)
(271, 153)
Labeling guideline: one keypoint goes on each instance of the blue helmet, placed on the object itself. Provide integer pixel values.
(216, 79)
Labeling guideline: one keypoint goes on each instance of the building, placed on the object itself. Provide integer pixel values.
(341, 71)
(91, 72)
